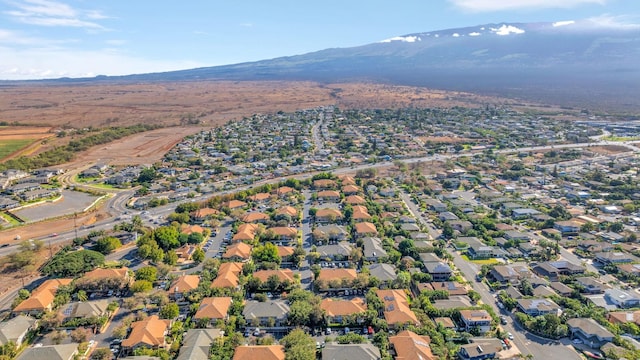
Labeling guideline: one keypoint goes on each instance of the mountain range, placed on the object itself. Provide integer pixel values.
(577, 63)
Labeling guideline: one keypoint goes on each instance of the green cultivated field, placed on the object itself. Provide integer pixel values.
(8, 147)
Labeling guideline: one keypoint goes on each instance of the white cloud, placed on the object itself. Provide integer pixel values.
(54, 13)
(408, 39)
(474, 34)
(563, 23)
(40, 63)
(455, 35)
(498, 5)
(507, 29)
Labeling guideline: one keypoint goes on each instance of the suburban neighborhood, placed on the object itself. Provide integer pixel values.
(357, 234)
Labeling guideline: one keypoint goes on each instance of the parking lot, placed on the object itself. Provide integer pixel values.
(71, 202)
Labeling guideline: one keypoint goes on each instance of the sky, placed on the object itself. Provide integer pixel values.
(84, 38)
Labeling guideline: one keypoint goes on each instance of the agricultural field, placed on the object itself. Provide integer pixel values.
(21, 140)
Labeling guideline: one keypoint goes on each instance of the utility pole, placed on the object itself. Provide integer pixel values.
(75, 216)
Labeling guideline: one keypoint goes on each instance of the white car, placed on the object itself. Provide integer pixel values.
(510, 336)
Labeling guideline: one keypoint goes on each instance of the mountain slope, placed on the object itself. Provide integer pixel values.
(576, 63)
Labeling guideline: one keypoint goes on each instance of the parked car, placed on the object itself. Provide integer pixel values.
(510, 336)
(327, 331)
(503, 320)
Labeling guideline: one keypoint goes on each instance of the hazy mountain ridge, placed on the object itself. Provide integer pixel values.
(575, 61)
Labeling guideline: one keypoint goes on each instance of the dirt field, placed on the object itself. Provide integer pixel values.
(213, 103)
(139, 149)
(608, 149)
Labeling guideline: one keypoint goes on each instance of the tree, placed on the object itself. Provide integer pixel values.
(170, 258)
(58, 336)
(298, 345)
(147, 175)
(107, 244)
(149, 273)
(167, 237)
(266, 253)
(351, 338)
(141, 286)
(169, 311)
(198, 255)
(102, 353)
(79, 335)
(72, 264)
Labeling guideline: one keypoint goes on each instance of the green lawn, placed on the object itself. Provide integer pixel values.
(620, 138)
(8, 147)
(482, 262)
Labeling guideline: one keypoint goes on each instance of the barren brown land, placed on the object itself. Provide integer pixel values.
(211, 102)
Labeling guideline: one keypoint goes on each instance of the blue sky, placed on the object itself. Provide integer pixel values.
(55, 38)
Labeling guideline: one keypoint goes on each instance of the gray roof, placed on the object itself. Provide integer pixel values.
(383, 272)
(373, 247)
(342, 248)
(255, 309)
(482, 347)
(437, 268)
(350, 352)
(590, 327)
(84, 309)
(51, 352)
(11, 330)
(197, 343)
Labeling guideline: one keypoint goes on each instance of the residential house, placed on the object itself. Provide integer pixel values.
(336, 254)
(354, 200)
(260, 197)
(240, 251)
(284, 191)
(185, 252)
(590, 332)
(287, 210)
(365, 229)
(337, 275)
(50, 352)
(516, 235)
(622, 299)
(256, 217)
(246, 232)
(103, 280)
(15, 329)
(261, 352)
(396, 307)
(182, 285)
(591, 285)
(562, 289)
(481, 348)
(234, 204)
(623, 317)
(327, 216)
(214, 308)
(227, 275)
(536, 307)
(553, 269)
(386, 273)
(373, 249)
(569, 227)
(41, 298)
(197, 343)
(266, 314)
(283, 235)
(629, 269)
(328, 195)
(615, 257)
(350, 189)
(337, 310)
(324, 184)
(360, 213)
(351, 352)
(282, 275)
(201, 215)
(147, 333)
(439, 271)
(85, 309)
(512, 274)
(411, 346)
(329, 233)
(476, 319)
